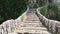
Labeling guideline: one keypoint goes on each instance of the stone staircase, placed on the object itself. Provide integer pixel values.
(32, 25)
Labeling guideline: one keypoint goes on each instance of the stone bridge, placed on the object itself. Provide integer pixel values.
(30, 22)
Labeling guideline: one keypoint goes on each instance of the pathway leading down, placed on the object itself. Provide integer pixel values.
(32, 25)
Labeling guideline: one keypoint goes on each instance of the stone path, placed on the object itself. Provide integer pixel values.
(32, 25)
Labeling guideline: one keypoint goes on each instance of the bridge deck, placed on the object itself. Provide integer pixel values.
(32, 25)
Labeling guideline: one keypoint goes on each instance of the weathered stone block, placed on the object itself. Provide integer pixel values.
(53, 27)
(43, 20)
(46, 22)
(0, 29)
(50, 24)
(58, 30)
(57, 23)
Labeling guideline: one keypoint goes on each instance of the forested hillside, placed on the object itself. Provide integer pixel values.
(11, 9)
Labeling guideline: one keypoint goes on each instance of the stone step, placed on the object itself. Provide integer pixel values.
(34, 32)
(31, 32)
(31, 14)
(46, 32)
(32, 17)
(32, 25)
(33, 28)
(32, 21)
(38, 33)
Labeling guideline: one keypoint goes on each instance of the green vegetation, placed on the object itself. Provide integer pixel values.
(42, 11)
(35, 5)
(58, 15)
(11, 9)
(1, 18)
(52, 11)
(41, 2)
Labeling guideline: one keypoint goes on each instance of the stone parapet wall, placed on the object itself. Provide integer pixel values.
(9, 26)
(52, 25)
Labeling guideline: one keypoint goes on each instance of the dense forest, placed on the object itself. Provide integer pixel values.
(11, 9)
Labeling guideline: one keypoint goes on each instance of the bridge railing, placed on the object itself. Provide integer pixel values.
(52, 25)
(7, 26)
(10, 25)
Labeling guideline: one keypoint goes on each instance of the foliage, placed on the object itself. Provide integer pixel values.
(35, 5)
(58, 17)
(1, 19)
(41, 2)
(11, 9)
(52, 6)
(52, 11)
(43, 10)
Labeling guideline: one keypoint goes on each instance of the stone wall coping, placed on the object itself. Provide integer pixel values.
(52, 25)
(44, 16)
